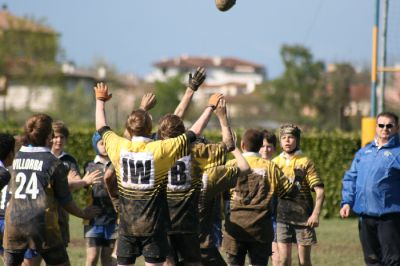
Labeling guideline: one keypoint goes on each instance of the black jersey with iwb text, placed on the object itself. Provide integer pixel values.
(39, 181)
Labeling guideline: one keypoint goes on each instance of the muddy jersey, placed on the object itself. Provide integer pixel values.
(250, 202)
(97, 194)
(214, 181)
(5, 193)
(38, 184)
(69, 162)
(184, 184)
(141, 166)
(63, 217)
(297, 208)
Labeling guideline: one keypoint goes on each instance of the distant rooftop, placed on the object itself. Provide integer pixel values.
(193, 61)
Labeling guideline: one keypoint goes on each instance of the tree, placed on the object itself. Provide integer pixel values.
(28, 50)
(337, 96)
(295, 92)
(168, 95)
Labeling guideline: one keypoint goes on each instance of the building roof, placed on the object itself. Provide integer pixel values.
(193, 61)
(9, 21)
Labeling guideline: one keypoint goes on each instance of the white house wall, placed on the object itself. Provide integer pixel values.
(21, 97)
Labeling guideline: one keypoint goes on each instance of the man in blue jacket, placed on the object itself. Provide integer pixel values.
(371, 188)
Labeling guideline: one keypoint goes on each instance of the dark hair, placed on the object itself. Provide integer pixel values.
(270, 137)
(139, 123)
(7, 145)
(60, 127)
(170, 126)
(252, 140)
(37, 130)
(390, 115)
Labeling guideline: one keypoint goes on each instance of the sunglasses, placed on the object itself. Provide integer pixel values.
(388, 126)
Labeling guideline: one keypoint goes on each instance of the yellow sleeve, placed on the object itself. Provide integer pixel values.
(113, 144)
(167, 152)
(219, 179)
(209, 155)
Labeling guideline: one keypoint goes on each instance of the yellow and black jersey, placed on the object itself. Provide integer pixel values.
(97, 194)
(38, 184)
(296, 208)
(215, 180)
(184, 184)
(141, 166)
(250, 202)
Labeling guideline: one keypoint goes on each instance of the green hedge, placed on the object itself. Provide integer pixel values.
(331, 152)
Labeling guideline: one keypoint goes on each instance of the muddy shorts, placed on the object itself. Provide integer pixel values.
(290, 233)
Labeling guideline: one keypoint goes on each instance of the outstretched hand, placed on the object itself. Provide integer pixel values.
(148, 101)
(92, 177)
(197, 79)
(214, 100)
(101, 91)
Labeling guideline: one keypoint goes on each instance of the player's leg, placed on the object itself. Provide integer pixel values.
(92, 252)
(106, 252)
(31, 258)
(305, 237)
(235, 251)
(285, 235)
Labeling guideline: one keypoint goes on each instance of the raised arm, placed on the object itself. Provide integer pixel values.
(227, 136)
(148, 101)
(202, 121)
(195, 82)
(102, 95)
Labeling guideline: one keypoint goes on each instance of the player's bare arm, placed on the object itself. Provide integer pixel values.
(102, 95)
(227, 136)
(313, 220)
(88, 179)
(201, 123)
(195, 82)
(110, 179)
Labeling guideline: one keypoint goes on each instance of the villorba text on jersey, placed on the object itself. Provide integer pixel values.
(28, 164)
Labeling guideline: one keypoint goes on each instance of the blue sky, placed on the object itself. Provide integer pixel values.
(133, 34)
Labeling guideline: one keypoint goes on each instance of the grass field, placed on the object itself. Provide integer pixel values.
(338, 244)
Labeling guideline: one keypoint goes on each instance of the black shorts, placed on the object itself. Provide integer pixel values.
(153, 248)
(211, 257)
(100, 242)
(258, 252)
(52, 256)
(185, 247)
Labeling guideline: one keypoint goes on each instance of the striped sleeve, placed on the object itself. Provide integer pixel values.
(312, 176)
(220, 179)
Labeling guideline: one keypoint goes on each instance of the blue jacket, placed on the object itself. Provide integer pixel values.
(372, 184)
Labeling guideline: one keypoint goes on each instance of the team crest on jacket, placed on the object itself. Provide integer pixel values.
(387, 153)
